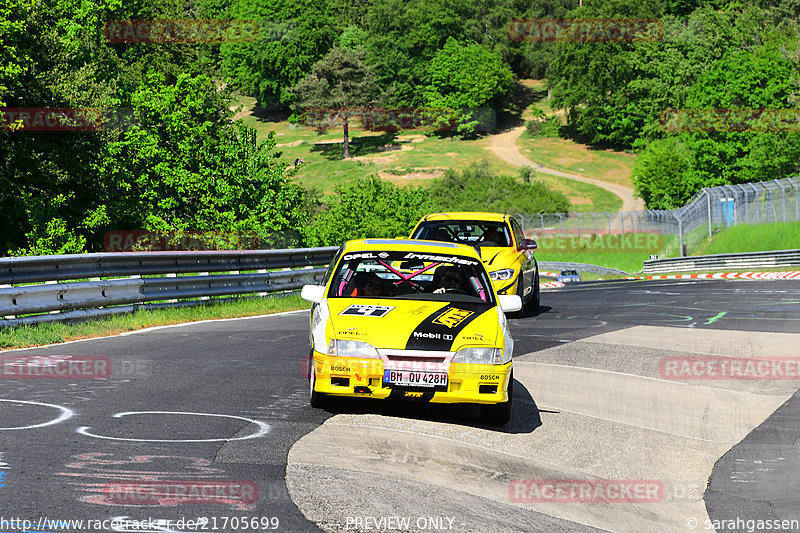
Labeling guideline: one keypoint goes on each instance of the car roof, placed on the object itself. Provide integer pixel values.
(411, 245)
(466, 215)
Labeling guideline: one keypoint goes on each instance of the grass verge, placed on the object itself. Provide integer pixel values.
(751, 238)
(631, 260)
(37, 335)
(578, 159)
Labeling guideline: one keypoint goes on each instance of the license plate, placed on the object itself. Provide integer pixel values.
(415, 379)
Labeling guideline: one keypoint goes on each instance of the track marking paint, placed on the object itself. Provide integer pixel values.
(263, 427)
(65, 415)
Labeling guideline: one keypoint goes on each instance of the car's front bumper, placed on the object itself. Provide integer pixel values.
(467, 383)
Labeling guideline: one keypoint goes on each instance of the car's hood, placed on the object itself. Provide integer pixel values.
(414, 324)
(497, 258)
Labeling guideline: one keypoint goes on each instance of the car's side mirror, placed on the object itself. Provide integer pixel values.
(313, 293)
(510, 303)
(530, 244)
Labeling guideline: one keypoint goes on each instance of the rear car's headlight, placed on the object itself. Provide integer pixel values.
(502, 275)
(481, 356)
(347, 348)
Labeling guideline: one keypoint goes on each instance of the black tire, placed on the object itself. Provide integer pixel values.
(533, 303)
(520, 293)
(316, 399)
(499, 414)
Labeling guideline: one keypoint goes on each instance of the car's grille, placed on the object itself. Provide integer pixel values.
(416, 359)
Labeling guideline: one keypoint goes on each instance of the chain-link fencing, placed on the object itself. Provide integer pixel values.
(710, 208)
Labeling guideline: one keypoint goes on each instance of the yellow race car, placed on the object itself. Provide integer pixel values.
(411, 320)
(503, 248)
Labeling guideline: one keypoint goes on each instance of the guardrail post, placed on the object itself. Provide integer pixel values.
(609, 221)
(579, 224)
(796, 204)
(560, 225)
(708, 207)
(541, 219)
(622, 223)
(204, 274)
(594, 222)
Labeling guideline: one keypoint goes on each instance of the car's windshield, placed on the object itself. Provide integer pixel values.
(569, 273)
(411, 275)
(466, 232)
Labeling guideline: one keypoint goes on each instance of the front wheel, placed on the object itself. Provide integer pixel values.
(533, 304)
(316, 399)
(499, 414)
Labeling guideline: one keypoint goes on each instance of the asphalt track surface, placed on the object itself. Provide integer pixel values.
(225, 403)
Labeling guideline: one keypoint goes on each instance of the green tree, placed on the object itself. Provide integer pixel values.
(338, 85)
(368, 207)
(614, 92)
(465, 77)
(404, 36)
(661, 175)
(757, 79)
(293, 36)
(185, 166)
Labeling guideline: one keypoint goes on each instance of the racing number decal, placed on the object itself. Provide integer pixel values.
(452, 317)
(441, 327)
(367, 310)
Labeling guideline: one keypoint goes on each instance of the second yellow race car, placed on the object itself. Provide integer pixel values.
(411, 320)
(503, 248)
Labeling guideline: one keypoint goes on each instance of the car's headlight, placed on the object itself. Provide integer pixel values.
(347, 348)
(481, 356)
(502, 275)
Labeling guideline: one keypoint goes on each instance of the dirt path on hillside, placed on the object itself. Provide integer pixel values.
(504, 146)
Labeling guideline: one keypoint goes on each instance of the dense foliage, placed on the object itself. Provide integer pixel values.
(711, 56)
(173, 159)
(371, 207)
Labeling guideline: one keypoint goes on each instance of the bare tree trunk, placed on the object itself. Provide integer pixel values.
(346, 137)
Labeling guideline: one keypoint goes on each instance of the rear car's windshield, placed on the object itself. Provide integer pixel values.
(465, 232)
(569, 273)
(411, 275)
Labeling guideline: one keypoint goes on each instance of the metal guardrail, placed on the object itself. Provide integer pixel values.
(580, 267)
(56, 300)
(747, 260)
